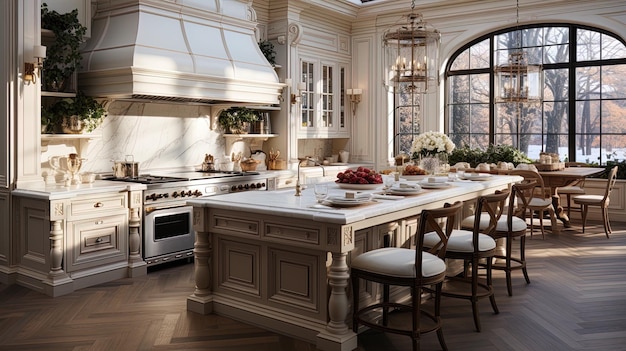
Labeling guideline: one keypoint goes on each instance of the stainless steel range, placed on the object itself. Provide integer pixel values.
(168, 233)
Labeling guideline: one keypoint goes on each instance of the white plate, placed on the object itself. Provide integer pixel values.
(346, 202)
(359, 186)
(474, 176)
(413, 177)
(404, 191)
(337, 164)
(438, 185)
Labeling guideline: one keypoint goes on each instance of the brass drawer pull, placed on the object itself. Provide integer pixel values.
(98, 240)
(98, 204)
(99, 222)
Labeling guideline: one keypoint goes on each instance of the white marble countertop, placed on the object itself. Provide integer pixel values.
(285, 203)
(59, 191)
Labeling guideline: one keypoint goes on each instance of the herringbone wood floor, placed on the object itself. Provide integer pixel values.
(576, 301)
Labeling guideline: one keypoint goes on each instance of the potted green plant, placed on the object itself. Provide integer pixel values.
(74, 115)
(63, 56)
(237, 120)
(267, 48)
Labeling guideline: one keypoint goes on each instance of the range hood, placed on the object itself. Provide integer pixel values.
(202, 51)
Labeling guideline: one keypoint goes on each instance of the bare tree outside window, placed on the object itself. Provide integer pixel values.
(583, 113)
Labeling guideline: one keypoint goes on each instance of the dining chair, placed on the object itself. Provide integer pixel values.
(540, 202)
(472, 246)
(576, 187)
(509, 228)
(601, 201)
(405, 267)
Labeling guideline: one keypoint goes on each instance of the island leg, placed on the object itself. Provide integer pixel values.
(337, 335)
(201, 301)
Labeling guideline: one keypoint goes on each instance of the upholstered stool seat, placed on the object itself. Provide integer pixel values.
(398, 262)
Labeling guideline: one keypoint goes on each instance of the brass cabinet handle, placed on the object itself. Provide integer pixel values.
(98, 204)
(98, 240)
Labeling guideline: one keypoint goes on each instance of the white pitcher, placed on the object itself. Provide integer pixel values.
(344, 156)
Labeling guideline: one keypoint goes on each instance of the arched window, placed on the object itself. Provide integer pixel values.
(582, 116)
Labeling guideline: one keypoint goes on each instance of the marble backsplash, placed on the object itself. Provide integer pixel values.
(158, 136)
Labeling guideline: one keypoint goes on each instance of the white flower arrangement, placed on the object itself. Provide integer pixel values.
(431, 144)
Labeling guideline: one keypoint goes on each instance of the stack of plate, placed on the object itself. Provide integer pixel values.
(476, 176)
(434, 183)
(343, 201)
(405, 189)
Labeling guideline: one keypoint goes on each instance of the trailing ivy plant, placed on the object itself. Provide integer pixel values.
(267, 48)
(90, 112)
(63, 55)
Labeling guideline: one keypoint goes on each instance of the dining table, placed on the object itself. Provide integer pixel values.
(280, 259)
(564, 177)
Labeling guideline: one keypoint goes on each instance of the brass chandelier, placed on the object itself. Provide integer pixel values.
(411, 56)
(517, 80)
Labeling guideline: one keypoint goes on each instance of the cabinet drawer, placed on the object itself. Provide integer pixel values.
(96, 242)
(98, 205)
(290, 233)
(226, 224)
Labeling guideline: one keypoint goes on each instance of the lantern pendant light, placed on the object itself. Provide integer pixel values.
(517, 80)
(411, 56)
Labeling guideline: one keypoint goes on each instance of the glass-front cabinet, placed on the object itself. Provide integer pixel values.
(323, 112)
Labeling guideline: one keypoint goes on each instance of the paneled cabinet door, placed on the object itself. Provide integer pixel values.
(322, 99)
(96, 242)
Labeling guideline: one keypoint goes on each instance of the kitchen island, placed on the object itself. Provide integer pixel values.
(280, 261)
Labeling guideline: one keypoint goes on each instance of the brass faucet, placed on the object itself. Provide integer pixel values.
(298, 185)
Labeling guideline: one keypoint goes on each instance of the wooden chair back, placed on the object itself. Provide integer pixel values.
(441, 221)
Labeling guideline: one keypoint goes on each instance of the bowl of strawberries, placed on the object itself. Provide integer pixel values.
(362, 178)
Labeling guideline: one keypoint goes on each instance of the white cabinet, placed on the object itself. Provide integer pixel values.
(97, 232)
(323, 112)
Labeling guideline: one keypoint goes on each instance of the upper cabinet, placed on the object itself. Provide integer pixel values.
(322, 101)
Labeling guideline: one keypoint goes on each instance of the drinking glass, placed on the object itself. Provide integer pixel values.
(321, 191)
(388, 181)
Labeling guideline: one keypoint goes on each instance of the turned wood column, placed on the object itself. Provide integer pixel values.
(338, 301)
(56, 249)
(202, 252)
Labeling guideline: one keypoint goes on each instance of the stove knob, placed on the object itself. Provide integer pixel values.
(189, 193)
(259, 185)
(175, 195)
(252, 186)
(240, 187)
(247, 186)
(166, 195)
(152, 197)
(233, 188)
(197, 193)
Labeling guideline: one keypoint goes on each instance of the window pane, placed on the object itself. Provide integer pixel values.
(614, 82)
(459, 92)
(479, 55)
(556, 35)
(556, 117)
(479, 121)
(587, 117)
(556, 84)
(587, 83)
(532, 37)
(461, 61)
(556, 54)
(612, 48)
(587, 45)
(460, 122)
(614, 116)
(480, 88)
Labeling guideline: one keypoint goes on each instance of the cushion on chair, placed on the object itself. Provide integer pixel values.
(518, 223)
(398, 262)
(588, 199)
(461, 241)
(571, 190)
(537, 202)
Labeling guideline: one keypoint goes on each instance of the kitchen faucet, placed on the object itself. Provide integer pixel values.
(298, 186)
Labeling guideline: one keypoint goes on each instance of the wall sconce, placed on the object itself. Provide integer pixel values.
(355, 98)
(32, 69)
(296, 98)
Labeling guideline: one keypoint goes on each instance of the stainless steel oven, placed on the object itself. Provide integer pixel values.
(167, 226)
(168, 231)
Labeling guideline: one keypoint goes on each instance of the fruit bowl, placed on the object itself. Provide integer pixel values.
(359, 186)
(361, 178)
